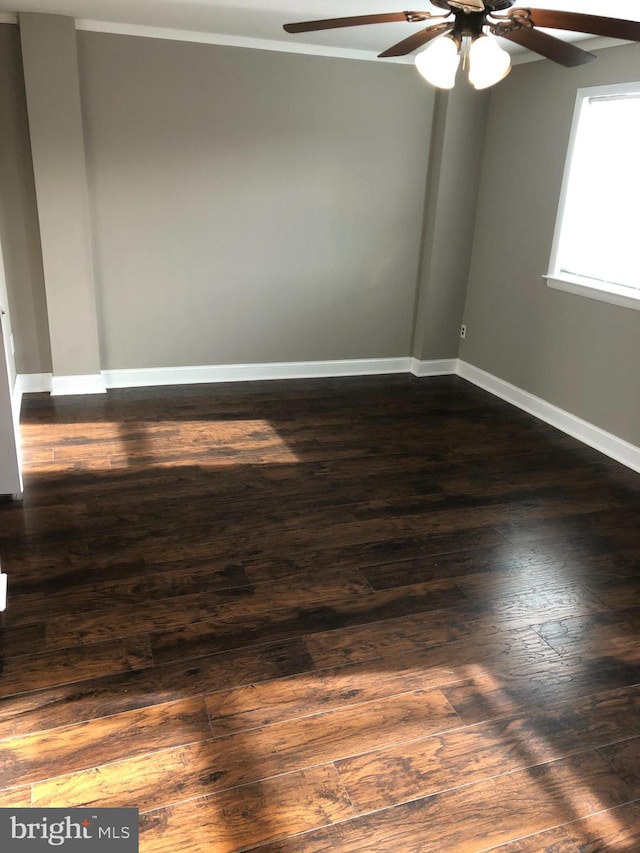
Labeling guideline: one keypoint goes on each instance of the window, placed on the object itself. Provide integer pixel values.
(596, 249)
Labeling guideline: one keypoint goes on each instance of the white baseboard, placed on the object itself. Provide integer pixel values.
(438, 367)
(16, 400)
(66, 385)
(616, 448)
(34, 383)
(28, 383)
(144, 377)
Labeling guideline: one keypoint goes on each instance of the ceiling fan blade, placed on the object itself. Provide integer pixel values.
(416, 40)
(577, 22)
(357, 21)
(559, 51)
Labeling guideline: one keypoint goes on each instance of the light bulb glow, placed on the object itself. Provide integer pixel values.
(439, 63)
(488, 63)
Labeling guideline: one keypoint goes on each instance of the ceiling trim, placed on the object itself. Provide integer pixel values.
(143, 31)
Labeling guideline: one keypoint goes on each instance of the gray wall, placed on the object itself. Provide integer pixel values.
(5, 320)
(19, 232)
(250, 206)
(577, 353)
(55, 123)
(450, 214)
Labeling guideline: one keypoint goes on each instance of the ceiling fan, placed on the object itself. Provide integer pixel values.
(464, 30)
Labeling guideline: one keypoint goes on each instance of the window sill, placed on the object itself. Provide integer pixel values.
(615, 296)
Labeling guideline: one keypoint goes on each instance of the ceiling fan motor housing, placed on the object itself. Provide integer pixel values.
(489, 5)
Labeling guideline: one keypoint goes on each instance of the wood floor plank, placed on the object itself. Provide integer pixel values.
(528, 605)
(47, 669)
(487, 696)
(565, 533)
(468, 635)
(359, 614)
(624, 757)
(233, 603)
(411, 669)
(165, 777)
(512, 568)
(101, 594)
(612, 632)
(22, 640)
(615, 829)
(506, 612)
(311, 693)
(78, 702)
(245, 817)
(341, 555)
(40, 756)
(25, 556)
(508, 570)
(617, 596)
(408, 771)
(368, 606)
(55, 519)
(406, 572)
(38, 465)
(70, 570)
(424, 547)
(552, 841)
(435, 533)
(434, 524)
(15, 798)
(485, 814)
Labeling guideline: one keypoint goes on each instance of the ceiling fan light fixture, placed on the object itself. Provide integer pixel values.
(439, 63)
(488, 62)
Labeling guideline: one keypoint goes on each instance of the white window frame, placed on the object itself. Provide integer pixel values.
(602, 291)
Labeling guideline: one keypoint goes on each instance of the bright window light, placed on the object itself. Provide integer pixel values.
(598, 228)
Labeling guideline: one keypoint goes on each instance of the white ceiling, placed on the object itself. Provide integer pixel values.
(263, 19)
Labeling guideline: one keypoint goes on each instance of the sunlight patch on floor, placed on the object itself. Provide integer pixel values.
(158, 444)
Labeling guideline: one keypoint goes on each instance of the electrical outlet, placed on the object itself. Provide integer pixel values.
(463, 331)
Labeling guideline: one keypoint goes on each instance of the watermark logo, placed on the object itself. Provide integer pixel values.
(69, 830)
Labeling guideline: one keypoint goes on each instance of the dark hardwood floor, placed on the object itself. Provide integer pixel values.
(380, 614)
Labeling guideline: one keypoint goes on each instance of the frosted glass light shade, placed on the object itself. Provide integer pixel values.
(488, 63)
(439, 63)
